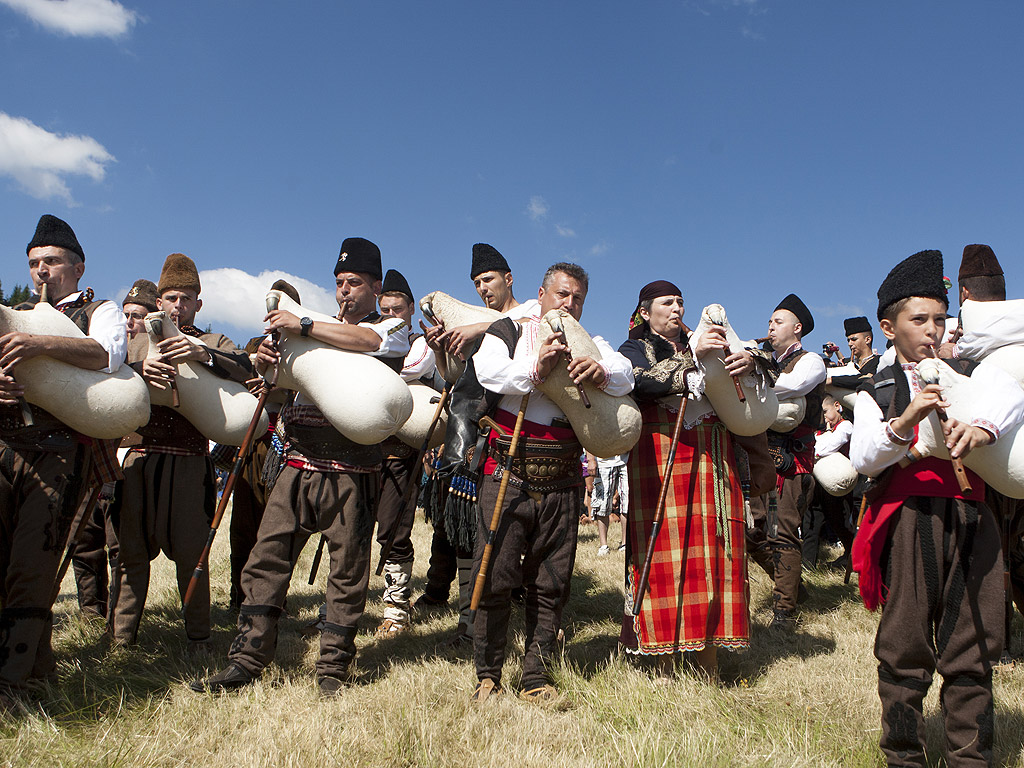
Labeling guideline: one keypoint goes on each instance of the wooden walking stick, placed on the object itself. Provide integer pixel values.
(492, 531)
(659, 511)
(229, 483)
(85, 512)
(410, 489)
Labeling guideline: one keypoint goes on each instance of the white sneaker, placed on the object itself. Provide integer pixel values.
(622, 547)
(602, 550)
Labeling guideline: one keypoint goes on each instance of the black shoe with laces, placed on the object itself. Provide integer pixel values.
(231, 678)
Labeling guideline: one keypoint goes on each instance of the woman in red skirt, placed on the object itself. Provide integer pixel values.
(697, 599)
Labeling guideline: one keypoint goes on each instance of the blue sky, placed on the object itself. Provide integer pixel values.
(741, 148)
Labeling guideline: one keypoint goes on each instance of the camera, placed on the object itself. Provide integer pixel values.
(829, 349)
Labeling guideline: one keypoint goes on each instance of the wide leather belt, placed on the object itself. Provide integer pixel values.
(327, 443)
(393, 448)
(539, 465)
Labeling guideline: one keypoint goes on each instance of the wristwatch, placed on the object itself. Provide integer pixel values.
(305, 326)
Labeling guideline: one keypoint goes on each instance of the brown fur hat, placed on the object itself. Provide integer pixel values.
(979, 261)
(143, 293)
(179, 274)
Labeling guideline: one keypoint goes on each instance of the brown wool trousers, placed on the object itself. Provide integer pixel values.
(95, 549)
(247, 504)
(535, 548)
(39, 495)
(778, 536)
(944, 612)
(397, 474)
(166, 504)
(302, 503)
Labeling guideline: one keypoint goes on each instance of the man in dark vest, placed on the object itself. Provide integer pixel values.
(96, 543)
(168, 497)
(327, 484)
(453, 515)
(46, 468)
(535, 546)
(249, 498)
(775, 542)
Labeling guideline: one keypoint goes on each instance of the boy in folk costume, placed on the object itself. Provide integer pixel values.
(327, 484)
(46, 468)
(826, 508)
(926, 551)
(168, 496)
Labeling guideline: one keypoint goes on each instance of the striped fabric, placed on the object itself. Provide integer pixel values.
(698, 591)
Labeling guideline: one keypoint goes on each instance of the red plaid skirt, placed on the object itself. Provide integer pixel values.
(698, 592)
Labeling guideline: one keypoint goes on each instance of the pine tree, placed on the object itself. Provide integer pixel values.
(18, 295)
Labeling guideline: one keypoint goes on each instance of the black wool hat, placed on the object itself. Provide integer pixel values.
(287, 289)
(798, 308)
(53, 231)
(359, 255)
(487, 259)
(854, 325)
(394, 281)
(979, 261)
(143, 293)
(917, 275)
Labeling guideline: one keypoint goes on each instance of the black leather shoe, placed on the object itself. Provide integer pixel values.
(783, 619)
(331, 686)
(230, 678)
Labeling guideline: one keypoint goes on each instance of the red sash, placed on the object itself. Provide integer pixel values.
(928, 477)
(530, 429)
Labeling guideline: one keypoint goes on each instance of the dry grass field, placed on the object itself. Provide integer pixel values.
(801, 698)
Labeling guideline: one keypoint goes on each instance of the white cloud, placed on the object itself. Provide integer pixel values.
(600, 248)
(39, 160)
(236, 298)
(565, 231)
(78, 18)
(537, 208)
(750, 33)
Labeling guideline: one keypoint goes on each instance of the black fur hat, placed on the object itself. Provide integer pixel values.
(53, 231)
(803, 314)
(359, 255)
(854, 325)
(917, 275)
(487, 259)
(395, 281)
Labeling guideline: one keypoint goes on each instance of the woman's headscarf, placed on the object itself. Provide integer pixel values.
(655, 290)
